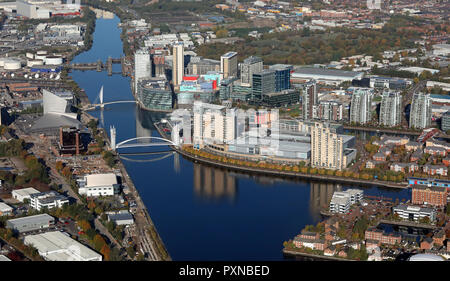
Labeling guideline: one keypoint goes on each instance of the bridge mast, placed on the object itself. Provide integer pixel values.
(101, 97)
(112, 131)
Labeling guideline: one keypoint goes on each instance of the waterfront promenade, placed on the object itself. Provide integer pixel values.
(278, 173)
(289, 174)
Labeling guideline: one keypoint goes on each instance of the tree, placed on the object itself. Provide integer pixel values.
(85, 225)
(66, 172)
(131, 251)
(222, 33)
(98, 241)
(106, 252)
(109, 158)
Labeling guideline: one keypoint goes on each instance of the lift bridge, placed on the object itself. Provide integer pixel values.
(158, 141)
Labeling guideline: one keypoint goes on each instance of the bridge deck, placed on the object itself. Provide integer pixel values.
(144, 145)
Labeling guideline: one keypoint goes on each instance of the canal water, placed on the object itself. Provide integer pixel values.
(200, 212)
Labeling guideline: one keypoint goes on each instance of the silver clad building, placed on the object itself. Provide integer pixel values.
(420, 114)
(142, 66)
(391, 109)
(30, 223)
(57, 114)
(361, 106)
(250, 66)
(414, 212)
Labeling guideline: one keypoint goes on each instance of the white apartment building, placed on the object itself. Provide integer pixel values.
(142, 66)
(391, 109)
(340, 203)
(327, 147)
(421, 111)
(213, 124)
(49, 200)
(342, 200)
(356, 195)
(361, 106)
(98, 185)
(414, 212)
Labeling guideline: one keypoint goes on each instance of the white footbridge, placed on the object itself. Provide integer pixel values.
(153, 141)
(102, 103)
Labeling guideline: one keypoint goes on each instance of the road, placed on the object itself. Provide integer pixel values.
(102, 229)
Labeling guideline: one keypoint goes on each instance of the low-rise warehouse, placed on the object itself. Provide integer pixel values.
(24, 193)
(56, 246)
(99, 185)
(325, 75)
(30, 223)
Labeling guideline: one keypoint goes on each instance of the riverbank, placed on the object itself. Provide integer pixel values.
(148, 238)
(143, 221)
(280, 173)
(313, 257)
(288, 174)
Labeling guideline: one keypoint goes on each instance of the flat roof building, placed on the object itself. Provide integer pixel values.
(99, 184)
(49, 200)
(24, 193)
(414, 213)
(229, 65)
(121, 218)
(433, 195)
(56, 246)
(30, 223)
(325, 75)
(5, 210)
(342, 200)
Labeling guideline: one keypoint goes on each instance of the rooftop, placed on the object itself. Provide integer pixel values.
(26, 191)
(56, 246)
(31, 219)
(5, 208)
(229, 54)
(100, 179)
(326, 72)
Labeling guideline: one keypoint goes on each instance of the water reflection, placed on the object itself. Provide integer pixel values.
(320, 197)
(214, 183)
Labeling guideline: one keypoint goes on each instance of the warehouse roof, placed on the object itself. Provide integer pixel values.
(56, 246)
(25, 191)
(101, 179)
(5, 208)
(326, 72)
(120, 216)
(31, 219)
(4, 258)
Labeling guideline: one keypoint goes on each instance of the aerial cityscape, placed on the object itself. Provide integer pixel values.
(224, 130)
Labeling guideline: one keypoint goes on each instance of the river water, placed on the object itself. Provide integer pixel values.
(203, 213)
